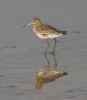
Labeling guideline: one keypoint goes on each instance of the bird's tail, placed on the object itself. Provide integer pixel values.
(64, 32)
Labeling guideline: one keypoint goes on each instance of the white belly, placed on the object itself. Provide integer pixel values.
(39, 34)
(47, 35)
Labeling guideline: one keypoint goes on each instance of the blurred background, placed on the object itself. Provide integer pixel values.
(21, 52)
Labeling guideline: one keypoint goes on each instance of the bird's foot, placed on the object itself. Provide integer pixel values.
(52, 52)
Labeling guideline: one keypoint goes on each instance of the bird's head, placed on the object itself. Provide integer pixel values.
(35, 21)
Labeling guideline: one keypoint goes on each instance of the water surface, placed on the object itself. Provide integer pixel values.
(21, 52)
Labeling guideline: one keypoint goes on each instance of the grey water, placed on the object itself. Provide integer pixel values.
(21, 52)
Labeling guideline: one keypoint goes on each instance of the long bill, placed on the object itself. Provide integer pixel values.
(26, 25)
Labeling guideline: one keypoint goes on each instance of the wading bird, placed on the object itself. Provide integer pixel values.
(45, 31)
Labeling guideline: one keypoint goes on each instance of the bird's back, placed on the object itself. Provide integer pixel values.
(48, 29)
(45, 31)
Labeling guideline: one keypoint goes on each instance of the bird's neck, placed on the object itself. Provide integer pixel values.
(37, 24)
(37, 27)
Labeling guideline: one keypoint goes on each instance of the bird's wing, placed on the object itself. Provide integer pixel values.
(52, 30)
(48, 28)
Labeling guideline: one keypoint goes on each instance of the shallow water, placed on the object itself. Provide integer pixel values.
(21, 52)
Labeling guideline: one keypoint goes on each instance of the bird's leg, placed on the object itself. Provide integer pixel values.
(55, 41)
(55, 62)
(53, 51)
(47, 46)
(48, 63)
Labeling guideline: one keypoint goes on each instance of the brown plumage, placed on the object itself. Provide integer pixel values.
(45, 31)
(48, 29)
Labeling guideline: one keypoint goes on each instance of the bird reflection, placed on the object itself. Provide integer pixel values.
(48, 73)
(54, 60)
